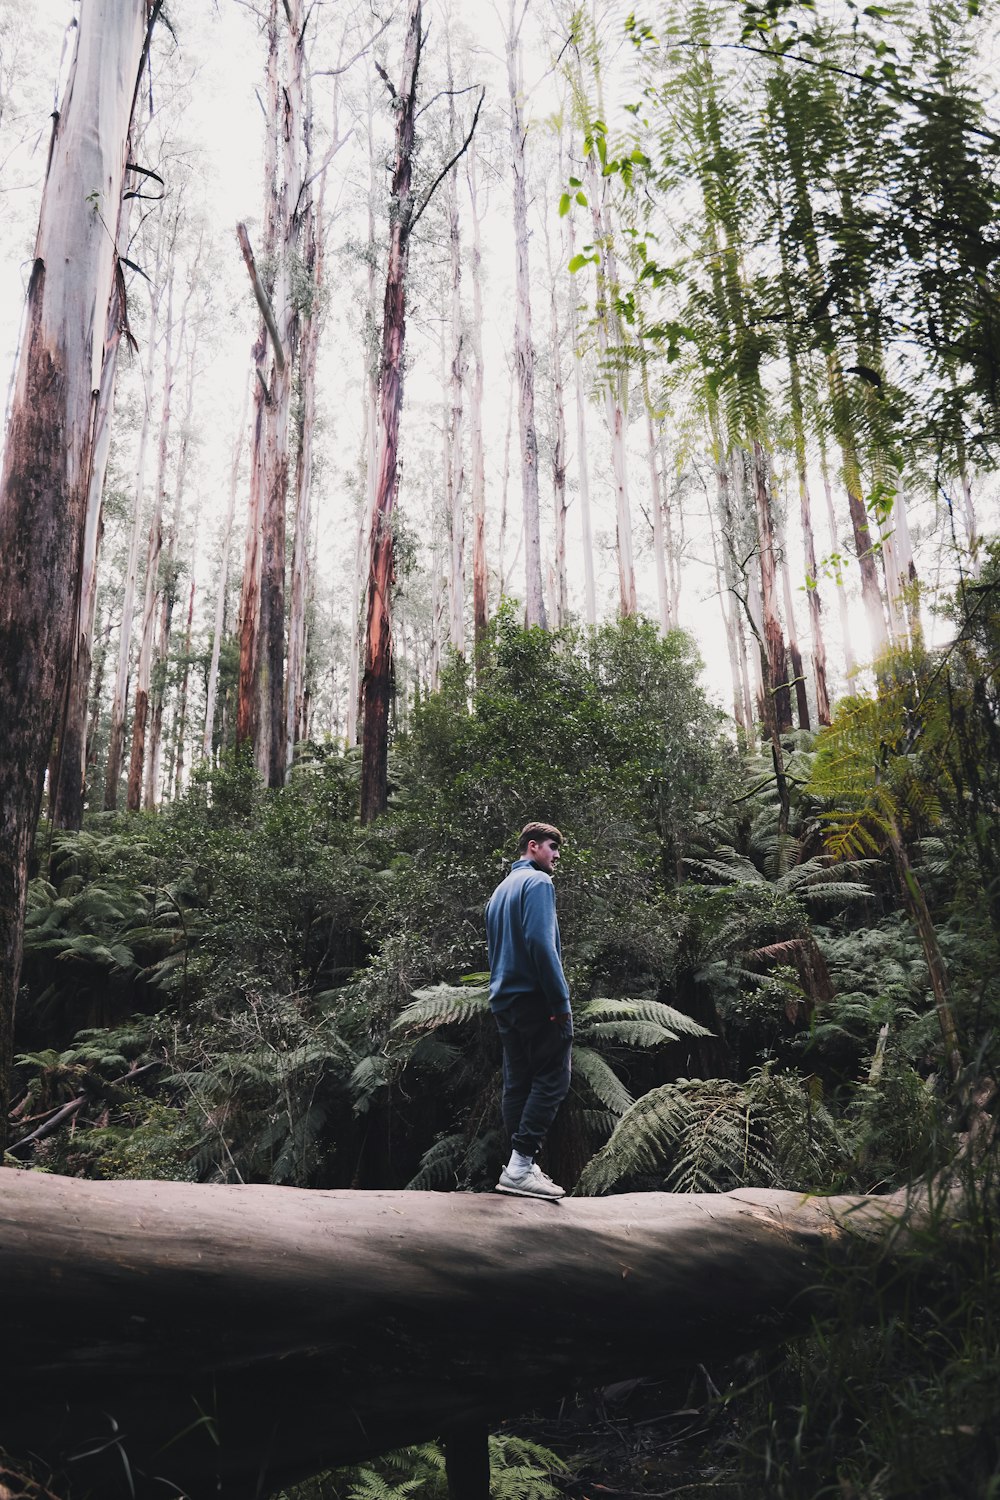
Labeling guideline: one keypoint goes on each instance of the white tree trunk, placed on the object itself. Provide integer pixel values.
(582, 468)
(610, 340)
(456, 471)
(480, 589)
(220, 598)
(153, 548)
(119, 701)
(524, 353)
(48, 456)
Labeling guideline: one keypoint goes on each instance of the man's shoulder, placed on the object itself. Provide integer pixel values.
(521, 876)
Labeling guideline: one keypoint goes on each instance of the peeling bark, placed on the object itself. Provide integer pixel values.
(48, 456)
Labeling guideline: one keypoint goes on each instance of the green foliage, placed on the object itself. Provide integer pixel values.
(707, 1136)
(519, 1470)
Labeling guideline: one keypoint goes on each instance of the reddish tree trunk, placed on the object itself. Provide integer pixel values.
(377, 687)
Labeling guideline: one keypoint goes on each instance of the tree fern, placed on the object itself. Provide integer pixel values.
(442, 1005)
(710, 1135)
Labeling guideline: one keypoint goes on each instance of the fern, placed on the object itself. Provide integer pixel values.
(712, 1135)
(442, 1004)
(652, 1012)
(601, 1079)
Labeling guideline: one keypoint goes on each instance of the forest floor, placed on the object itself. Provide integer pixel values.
(648, 1438)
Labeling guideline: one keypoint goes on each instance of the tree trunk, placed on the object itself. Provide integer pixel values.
(220, 598)
(850, 656)
(241, 1338)
(70, 778)
(795, 655)
(583, 474)
(560, 505)
(119, 703)
(655, 501)
(773, 638)
(296, 688)
(456, 471)
(377, 687)
(144, 669)
(48, 456)
(524, 353)
(480, 588)
(609, 346)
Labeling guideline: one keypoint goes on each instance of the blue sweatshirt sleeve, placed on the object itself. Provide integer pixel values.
(541, 938)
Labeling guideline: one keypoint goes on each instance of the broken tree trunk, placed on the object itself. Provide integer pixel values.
(230, 1340)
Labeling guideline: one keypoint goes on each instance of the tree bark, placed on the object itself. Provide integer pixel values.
(48, 456)
(231, 1340)
(144, 669)
(795, 655)
(220, 598)
(295, 726)
(455, 477)
(609, 344)
(377, 686)
(119, 702)
(560, 504)
(69, 781)
(583, 473)
(524, 353)
(480, 589)
(773, 638)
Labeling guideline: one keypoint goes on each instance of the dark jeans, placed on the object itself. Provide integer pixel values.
(536, 1069)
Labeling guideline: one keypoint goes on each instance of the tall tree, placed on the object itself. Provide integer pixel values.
(480, 590)
(524, 351)
(143, 675)
(45, 480)
(377, 685)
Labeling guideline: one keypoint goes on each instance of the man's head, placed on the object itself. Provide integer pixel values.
(542, 844)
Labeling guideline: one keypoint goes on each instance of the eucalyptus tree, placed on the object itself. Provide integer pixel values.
(287, 204)
(524, 351)
(144, 668)
(587, 89)
(44, 482)
(480, 575)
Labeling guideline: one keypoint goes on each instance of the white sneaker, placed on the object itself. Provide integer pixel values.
(530, 1184)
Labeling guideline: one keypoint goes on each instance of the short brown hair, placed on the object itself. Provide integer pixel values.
(537, 833)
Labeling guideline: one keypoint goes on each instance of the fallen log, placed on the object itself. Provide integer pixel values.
(229, 1340)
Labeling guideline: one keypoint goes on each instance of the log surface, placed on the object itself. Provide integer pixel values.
(231, 1339)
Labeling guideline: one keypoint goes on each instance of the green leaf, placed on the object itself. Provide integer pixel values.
(564, 202)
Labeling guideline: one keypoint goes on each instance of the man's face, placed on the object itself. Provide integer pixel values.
(545, 854)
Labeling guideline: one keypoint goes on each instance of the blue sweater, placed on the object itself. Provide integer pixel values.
(522, 935)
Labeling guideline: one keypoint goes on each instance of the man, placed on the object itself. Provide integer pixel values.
(529, 998)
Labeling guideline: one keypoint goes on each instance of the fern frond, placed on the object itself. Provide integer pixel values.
(442, 1004)
(601, 1079)
(655, 1012)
